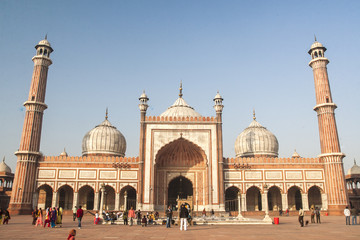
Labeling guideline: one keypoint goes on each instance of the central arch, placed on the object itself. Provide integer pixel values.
(180, 164)
(180, 187)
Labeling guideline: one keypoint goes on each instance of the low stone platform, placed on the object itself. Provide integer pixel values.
(332, 227)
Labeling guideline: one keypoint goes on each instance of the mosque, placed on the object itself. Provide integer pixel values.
(180, 158)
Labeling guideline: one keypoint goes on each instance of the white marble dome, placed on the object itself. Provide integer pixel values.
(104, 139)
(180, 109)
(4, 167)
(316, 44)
(44, 42)
(354, 170)
(256, 140)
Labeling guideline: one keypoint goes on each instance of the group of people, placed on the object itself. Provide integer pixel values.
(128, 217)
(53, 217)
(313, 212)
(353, 213)
(4, 216)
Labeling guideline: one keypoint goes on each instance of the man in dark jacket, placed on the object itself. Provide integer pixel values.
(184, 214)
(168, 217)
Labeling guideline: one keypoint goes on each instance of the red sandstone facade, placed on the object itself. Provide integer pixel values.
(180, 157)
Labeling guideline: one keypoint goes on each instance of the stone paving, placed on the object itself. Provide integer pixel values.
(332, 227)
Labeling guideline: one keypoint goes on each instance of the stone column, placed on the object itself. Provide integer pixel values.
(239, 206)
(35, 199)
(305, 201)
(125, 200)
(117, 201)
(263, 201)
(102, 200)
(324, 202)
(55, 199)
(243, 202)
(284, 201)
(76, 199)
(96, 201)
(267, 217)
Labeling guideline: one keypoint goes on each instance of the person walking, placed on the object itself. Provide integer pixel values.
(47, 217)
(301, 217)
(74, 213)
(184, 214)
(138, 217)
(39, 220)
(347, 215)
(125, 217)
(34, 215)
(317, 213)
(312, 216)
(353, 213)
(6, 217)
(79, 215)
(131, 215)
(168, 217)
(53, 217)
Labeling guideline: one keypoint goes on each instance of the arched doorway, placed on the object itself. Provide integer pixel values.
(86, 197)
(274, 199)
(65, 197)
(127, 198)
(231, 199)
(109, 198)
(180, 187)
(45, 196)
(314, 196)
(253, 199)
(294, 198)
(187, 161)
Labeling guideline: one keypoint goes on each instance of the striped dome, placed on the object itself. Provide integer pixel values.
(104, 139)
(256, 140)
(180, 109)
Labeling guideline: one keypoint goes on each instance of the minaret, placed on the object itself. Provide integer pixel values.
(28, 153)
(331, 154)
(143, 106)
(218, 100)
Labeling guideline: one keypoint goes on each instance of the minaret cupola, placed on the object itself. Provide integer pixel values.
(218, 103)
(317, 50)
(43, 48)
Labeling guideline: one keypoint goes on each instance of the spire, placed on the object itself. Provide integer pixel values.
(180, 94)
(45, 36)
(254, 114)
(106, 116)
(315, 38)
(4, 159)
(354, 161)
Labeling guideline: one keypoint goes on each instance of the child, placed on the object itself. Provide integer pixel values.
(72, 235)
(97, 219)
(143, 221)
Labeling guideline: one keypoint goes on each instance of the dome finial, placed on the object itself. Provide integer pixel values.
(45, 36)
(254, 114)
(106, 116)
(354, 161)
(4, 159)
(315, 38)
(180, 94)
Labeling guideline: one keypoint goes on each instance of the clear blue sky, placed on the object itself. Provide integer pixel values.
(108, 52)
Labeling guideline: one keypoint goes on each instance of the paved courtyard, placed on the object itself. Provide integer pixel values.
(331, 228)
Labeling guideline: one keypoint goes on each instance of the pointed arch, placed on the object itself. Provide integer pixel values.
(180, 153)
(66, 195)
(253, 199)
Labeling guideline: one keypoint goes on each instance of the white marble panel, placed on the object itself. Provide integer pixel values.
(87, 174)
(233, 175)
(67, 173)
(313, 175)
(128, 175)
(46, 173)
(107, 174)
(293, 175)
(253, 175)
(273, 175)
